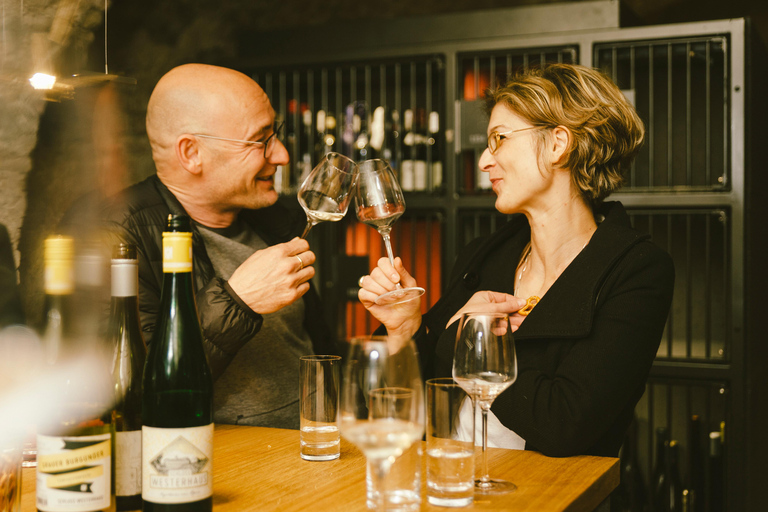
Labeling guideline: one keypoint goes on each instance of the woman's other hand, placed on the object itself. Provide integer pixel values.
(487, 301)
(401, 319)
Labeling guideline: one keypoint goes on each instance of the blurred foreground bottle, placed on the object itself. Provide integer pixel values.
(130, 352)
(75, 445)
(177, 403)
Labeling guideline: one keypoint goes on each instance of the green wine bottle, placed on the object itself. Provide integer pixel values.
(130, 353)
(177, 401)
(75, 444)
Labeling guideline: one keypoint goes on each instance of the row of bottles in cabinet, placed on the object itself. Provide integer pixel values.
(703, 488)
(411, 140)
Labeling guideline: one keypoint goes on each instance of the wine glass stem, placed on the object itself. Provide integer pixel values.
(307, 228)
(379, 471)
(485, 476)
(384, 232)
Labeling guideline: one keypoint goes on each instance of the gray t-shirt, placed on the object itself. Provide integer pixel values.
(261, 385)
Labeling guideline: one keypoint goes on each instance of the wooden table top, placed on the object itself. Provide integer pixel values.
(260, 469)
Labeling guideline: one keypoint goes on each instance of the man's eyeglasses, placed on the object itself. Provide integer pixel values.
(269, 143)
(495, 138)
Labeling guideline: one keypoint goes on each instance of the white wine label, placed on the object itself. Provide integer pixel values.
(177, 464)
(74, 473)
(128, 463)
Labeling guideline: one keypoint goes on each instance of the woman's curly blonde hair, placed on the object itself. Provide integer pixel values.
(606, 132)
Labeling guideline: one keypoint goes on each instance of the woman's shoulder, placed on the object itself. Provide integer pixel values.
(639, 244)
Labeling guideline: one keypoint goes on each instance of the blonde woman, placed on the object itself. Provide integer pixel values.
(589, 295)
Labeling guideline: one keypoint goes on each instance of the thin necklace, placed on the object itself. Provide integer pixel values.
(531, 301)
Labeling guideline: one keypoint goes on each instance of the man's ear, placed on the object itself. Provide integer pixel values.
(188, 154)
(560, 143)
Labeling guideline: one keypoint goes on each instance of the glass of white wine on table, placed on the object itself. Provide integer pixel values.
(380, 203)
(325, 194)
(382, 413)
(484, 365)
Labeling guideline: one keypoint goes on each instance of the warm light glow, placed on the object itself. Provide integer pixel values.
(42, 81)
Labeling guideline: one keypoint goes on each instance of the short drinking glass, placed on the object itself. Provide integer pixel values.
(450, 445)
(319, 406)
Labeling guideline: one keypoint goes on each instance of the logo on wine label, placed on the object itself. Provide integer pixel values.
(177, 464)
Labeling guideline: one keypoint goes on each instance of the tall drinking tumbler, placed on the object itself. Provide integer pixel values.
(319, 407)
(450, 446)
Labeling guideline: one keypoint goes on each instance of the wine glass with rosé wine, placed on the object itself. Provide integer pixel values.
(380, 203)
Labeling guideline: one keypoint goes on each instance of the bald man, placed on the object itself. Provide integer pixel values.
(216, 149)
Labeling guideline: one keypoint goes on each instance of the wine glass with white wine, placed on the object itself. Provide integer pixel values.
(484, 365)
(380, 203)
(382, 413)
(325, 193)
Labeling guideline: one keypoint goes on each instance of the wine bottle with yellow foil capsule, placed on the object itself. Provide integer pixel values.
(177, 400)
(75, 443)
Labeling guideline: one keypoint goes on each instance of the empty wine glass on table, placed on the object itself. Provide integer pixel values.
(325, 193)
(380, 203)
(484, 365)
(382, 413)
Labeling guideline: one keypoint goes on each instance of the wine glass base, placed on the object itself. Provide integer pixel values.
(490, 487)
(399, 296)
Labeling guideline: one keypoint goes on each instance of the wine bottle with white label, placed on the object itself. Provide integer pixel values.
(75, 443)
(177, 401)
(130, 352)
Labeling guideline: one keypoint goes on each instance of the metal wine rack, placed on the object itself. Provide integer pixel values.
(390, 108)
(680, 89)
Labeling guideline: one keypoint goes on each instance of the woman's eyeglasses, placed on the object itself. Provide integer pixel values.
(495, 138)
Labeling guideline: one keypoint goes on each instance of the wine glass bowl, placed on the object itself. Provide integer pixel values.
(325, 193)
(382, 405)
(379, 203)
(484, 365)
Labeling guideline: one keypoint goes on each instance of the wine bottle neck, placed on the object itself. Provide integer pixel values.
(177, 289)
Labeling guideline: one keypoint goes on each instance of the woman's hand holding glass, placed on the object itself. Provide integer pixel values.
(401, 319)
